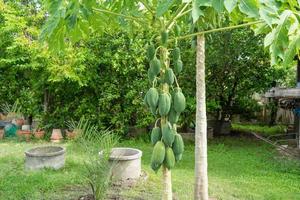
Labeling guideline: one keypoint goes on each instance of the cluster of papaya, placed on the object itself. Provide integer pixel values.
(168, 144)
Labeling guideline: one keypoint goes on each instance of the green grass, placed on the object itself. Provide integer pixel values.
(261, 129)
(239, 168)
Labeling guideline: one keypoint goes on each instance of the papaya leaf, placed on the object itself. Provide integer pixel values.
(230, 5)
(218, 5)
(196, 12)
(291, 51)
(203, 2)
(249, 7)
(163, 6)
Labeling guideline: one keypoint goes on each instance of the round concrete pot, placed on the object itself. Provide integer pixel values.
(45, 157)
(126, 163)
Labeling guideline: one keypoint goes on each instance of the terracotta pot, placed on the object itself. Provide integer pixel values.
(72, 134)
(1, 134)
(39, 134)
(56, 135)
(24, 134)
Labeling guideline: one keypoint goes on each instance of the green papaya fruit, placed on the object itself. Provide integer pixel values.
(164, 37)
(179, 101)
(176, 54)
(169, 161)
(178, 65)
(155, 65)
(164, 104)
(150, 51)
(145, 100)
(177, 30)
(151, 75)
(152, 97)
(168, 135)
(178, 157)
(169, 76)
(153, 110)
(178, 145)
(155, 135)
(173, 116)
(158, 155)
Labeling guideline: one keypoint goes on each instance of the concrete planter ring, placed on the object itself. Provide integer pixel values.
(45, 157)
(126, 163)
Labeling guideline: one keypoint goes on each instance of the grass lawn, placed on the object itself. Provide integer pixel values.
(260, 129)
(239, 168)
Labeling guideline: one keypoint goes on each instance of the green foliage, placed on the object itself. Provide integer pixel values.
(260, 129)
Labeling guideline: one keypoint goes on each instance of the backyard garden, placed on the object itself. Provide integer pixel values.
(149, 99)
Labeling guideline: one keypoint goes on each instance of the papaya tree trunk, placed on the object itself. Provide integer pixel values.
(201, 177)
(167, 193)
(167, 180)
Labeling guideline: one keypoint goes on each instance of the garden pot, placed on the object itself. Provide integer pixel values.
(45, 157)
(56, 135)
(24, 134)
(72, 134)
(126, 163)
(39, 134)
(1, 134)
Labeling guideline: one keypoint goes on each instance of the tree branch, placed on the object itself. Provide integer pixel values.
(118, 14)
(217, 30)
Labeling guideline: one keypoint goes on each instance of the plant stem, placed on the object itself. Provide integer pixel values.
(147, 6)
(216, 30)
(178, 13)
(118, 14)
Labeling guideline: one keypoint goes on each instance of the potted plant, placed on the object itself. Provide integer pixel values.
(24, 134)
(74, 128)
(39, 133)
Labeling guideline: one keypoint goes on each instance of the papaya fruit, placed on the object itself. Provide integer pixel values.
(178, 145)
(169, 161)
(164, 104)
(168, 135)
(176, 54)
(178, 65)
(153, 110)
(151, 75)
(179, 101)
(158, 155)
(155, 135)
(177, 30)
(169, 76)
(155, 65)
(152, 97)
(173, 116)
(150, 51)
(178, 157)
(164, 37)
(145, 100)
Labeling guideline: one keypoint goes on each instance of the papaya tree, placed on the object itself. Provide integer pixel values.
(279, 19)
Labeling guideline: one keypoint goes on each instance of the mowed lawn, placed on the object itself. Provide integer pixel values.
(239, 168)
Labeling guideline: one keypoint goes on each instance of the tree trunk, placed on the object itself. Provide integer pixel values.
(201, 178)
(167, 193)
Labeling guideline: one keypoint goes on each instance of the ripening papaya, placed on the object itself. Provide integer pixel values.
(164, 104)
(177, 30)
(169, 161)
(178, 65)
(164, 37)
(158, 155)
(178, 145)
(150, 51)
(155, 135)
(179, 100)
(169, 76)
(168, 135)
(155, 65)
(173, 116)
(152, 97)
(176, 54)
(151, 75)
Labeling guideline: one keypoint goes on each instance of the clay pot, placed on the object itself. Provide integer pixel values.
(24, 134)
(72, 134)
(39, 134)
(56, 135)
(1, 134)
